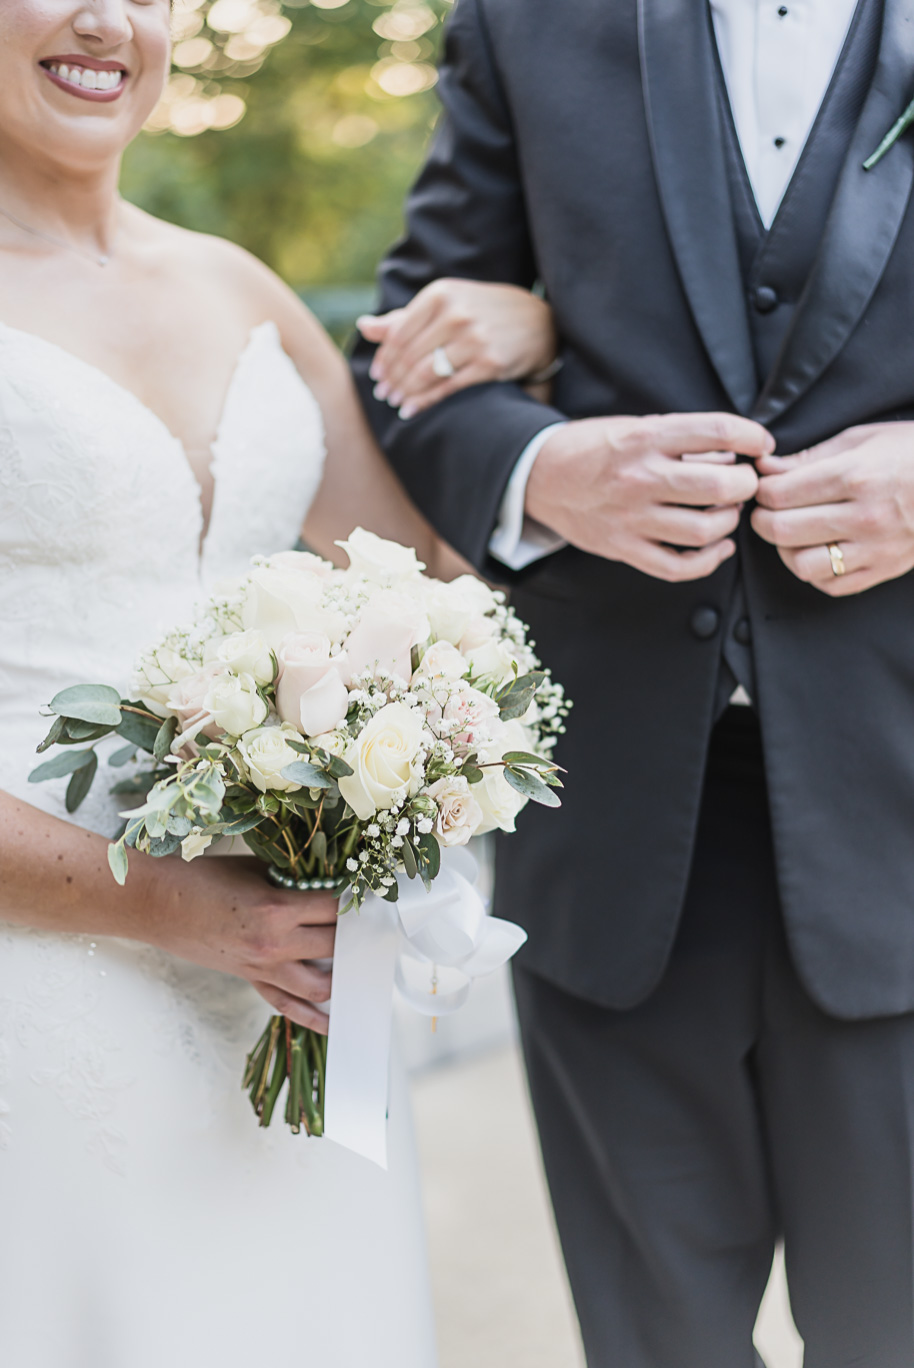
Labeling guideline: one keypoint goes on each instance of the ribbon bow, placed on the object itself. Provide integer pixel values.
(432, 945)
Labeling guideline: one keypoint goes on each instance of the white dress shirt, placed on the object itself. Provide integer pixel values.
(778, 57)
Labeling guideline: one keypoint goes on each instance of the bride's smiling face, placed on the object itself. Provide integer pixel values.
(78, 78)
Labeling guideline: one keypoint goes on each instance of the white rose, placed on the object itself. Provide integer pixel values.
(301, 561)
(476, 593)
(493, 660)
(478, 631)
(247, 653)
(383, 760)
(442, 661)
(333, 742)
(195, 844)
(384, 562)
(235, 704)
(156, 676)
(281, 601)
(459, 814)
(389, 626)
(449, 609)
(500, 803)
(266, 753)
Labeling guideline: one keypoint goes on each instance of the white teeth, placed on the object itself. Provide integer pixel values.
(87, 79)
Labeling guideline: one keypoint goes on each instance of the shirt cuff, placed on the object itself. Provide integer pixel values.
(519, 540)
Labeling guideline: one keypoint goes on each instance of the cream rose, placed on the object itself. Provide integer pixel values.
(493, 660)
(281, 601)
(449, 609)
(479, 630)
(247, 653)
(302, 561)
(459, 814)
(266, 753)
(310, 693)
(384, 562)
(187, 700)
(500, 803)
(234, 703)
(388, 627)
(442, 661)
(383, 760)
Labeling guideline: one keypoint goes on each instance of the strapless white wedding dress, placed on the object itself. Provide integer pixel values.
(145, 1220)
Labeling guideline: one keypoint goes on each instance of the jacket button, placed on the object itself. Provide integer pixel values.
(704, 622)
(743, 632)
(765, 299)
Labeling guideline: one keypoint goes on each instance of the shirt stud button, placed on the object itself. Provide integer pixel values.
(743, 632)
(779, 142)
(782, 11)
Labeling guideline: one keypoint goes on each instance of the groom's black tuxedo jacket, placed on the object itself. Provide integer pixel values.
(584, 144)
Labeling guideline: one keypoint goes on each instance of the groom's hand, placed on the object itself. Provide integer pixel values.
(855, 491)
(621, 488)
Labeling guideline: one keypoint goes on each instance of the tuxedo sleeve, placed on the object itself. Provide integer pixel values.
(465, 217)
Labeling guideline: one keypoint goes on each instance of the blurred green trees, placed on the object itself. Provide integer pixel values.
(337, 114)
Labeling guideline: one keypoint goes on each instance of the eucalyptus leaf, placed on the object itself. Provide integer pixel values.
(531, 786)
(514, 700)
(76, 731)
(53, 735)
(164, 737)
(309, 776)
(164, 845)
(141, 731)
(81, 782)
(117, 860)
(240, 825)
(95, 703)
(122, 757)
(526, 758)
(179, 826)
(319, 847)
(409, 860)
(472, 775)
(138, 786)
(430, 851)
(65, 763)
(338, 768)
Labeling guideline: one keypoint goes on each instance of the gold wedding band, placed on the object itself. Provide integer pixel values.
(836, 556)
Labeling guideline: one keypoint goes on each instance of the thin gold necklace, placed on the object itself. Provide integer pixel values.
(101, 259)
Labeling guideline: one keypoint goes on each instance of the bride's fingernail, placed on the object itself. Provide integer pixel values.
(381, 390)
(408, 411)
(396, 399)
(375, 371)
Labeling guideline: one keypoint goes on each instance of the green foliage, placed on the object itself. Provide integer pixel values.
(294, 182)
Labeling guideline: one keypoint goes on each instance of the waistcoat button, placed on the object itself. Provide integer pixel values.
(765, 299)
(743, 632)
(704, 622)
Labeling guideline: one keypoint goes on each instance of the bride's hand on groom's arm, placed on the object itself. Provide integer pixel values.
(219, 913)
(487, 332)
(636, 489)
(855, 491)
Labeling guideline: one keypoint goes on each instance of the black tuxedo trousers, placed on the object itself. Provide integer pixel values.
(684, 1136)
(716, 997)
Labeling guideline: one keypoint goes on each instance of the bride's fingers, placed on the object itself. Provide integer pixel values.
(416, 358)
(302, 1013)
(409, 322)
(299, 979)
(442, 389)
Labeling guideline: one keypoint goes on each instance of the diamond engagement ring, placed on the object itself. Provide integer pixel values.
(442, 364)
(836, 556)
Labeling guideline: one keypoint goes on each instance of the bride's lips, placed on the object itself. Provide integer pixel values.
(86, 77)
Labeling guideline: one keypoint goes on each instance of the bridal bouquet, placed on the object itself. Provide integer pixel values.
(349, 725)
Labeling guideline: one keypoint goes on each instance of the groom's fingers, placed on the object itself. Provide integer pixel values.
(690, 527)
(677, 567)
(677, 433)
(703, 484)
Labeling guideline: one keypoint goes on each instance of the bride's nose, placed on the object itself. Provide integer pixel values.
(104, 22)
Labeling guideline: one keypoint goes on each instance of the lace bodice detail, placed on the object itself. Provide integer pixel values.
(101, 519)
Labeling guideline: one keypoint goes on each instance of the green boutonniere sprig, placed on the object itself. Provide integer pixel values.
(898, 128)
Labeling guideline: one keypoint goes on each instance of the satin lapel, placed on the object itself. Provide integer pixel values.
(683, 116)
(861, 230)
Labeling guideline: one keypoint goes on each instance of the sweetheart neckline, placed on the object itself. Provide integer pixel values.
(205, 525)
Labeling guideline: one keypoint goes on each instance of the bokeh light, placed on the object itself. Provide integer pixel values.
(219, 41)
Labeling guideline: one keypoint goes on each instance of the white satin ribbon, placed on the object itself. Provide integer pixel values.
(431, 945)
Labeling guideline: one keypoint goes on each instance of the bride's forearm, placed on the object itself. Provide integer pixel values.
(55, 876)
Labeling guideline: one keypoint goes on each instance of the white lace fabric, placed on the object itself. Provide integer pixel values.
(147, 1221)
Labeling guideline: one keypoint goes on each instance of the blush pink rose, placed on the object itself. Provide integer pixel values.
(310, 693)
(188, 697)
(389, 626)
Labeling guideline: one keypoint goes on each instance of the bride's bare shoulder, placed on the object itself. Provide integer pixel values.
(237, 281)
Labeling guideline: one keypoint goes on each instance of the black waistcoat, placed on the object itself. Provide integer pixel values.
(776, 263)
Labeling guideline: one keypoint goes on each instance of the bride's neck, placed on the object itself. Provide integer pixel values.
(77, 208)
